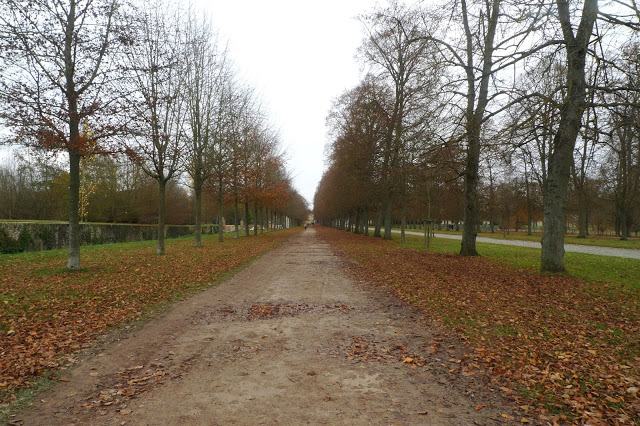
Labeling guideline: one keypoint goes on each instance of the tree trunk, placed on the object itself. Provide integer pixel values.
(529, 208)
(388, 219)
(474, 119)
(73, 260)
(162, 186)
(197, 188)
(235, 218)
(624, 230)
(378, 225)
(552, 256)
(266, 219)
(403, 223)
(582, 214)
(365, 220)
(246, 218)
(255, 219)
(220, 211)
(492, 207)
(468, 244)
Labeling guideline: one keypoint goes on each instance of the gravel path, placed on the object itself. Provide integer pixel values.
(576, 248)
(292, 339)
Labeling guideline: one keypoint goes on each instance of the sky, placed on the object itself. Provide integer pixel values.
(299, 56)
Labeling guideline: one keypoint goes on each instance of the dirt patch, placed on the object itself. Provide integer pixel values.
(290, 339)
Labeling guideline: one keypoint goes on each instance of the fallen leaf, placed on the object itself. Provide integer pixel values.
(54, 321)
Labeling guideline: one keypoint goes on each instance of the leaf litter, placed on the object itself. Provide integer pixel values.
(48, 313)
(563, 349)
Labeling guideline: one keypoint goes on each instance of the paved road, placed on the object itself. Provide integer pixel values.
(576, 248)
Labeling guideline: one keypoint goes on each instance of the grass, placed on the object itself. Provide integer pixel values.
(24, 396)
(589, 267)
(599, 241)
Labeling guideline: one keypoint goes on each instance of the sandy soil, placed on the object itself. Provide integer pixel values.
(291, 339)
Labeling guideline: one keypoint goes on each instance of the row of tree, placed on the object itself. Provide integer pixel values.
(35, 187)
(145, 81)
(458, 94)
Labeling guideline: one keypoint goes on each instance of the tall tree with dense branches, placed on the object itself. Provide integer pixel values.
(55, 69)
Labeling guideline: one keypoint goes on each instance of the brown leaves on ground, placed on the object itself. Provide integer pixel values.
(269, 310)
(563, 348)
(129, 383)
(361, 349)
(47, 312)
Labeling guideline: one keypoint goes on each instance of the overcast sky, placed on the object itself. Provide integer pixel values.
(299, 55)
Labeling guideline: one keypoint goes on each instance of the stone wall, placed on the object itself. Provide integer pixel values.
(17, 237)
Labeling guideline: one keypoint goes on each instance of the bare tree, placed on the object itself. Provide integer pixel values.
(205, 68)
(154, 62)
(585, 155)
(241, 126)
(357, 124)
(219, 150)
(396, 53)
(55, 66)
(623, 142)
(490, 42)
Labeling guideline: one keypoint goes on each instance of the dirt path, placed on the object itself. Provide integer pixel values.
(290, 339)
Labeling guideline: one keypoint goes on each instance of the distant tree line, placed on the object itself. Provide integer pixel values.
(491, 113)
(142, 102)
(35, 187)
